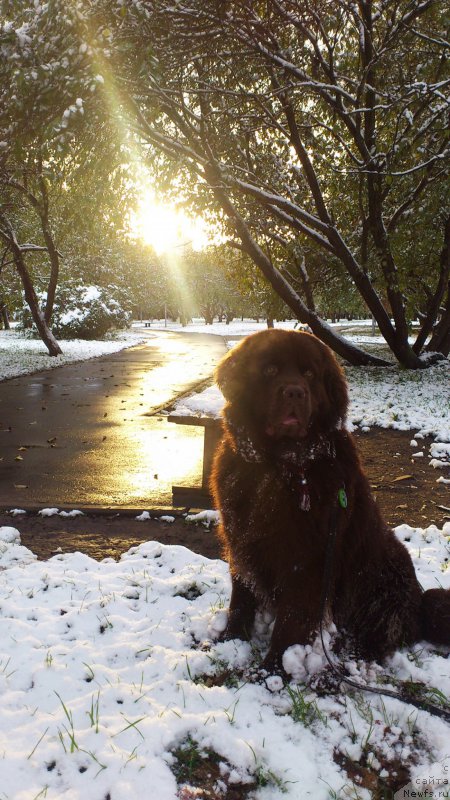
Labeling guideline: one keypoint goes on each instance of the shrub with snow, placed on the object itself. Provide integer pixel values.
(85, 312)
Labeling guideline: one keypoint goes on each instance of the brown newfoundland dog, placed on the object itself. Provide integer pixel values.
(285, 471)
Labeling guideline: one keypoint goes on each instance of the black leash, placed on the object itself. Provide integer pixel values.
(423, 705)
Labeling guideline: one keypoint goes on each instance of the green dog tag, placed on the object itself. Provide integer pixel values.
(342, 498)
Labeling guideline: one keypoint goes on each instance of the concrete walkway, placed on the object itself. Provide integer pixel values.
(89, 434)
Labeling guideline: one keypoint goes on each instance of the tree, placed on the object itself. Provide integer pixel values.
(18, 251)
(41, 109)
(297, 123)
(301, 128)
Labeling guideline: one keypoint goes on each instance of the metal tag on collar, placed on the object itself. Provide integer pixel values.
(342, 498)
(305, 500)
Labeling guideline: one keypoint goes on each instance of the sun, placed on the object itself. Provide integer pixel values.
(165, 227)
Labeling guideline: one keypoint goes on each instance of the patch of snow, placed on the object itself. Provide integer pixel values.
(236, 328)
(441, 450)
(301, 661)
(11, 553)
(430, 551)
(207, 517)
(52, 512)
(74, 513)
(9, 535)
(401, 399)
(48, 512)
(103, 677)
(208, 403)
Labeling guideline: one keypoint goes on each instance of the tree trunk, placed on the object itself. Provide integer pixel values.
(354, 355)
(54, 271)
(440, 341)
(30, 295)
(43, 211)
(397, 336)
(436, 300)
(5, 316)
(306, 283)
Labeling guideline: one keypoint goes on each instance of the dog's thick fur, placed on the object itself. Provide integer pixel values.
(283, 458)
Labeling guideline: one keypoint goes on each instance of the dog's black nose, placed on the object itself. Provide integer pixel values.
(294, 391)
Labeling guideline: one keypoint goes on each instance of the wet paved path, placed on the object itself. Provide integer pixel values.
(86, 434)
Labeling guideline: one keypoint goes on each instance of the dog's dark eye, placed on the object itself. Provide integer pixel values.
(308, 373)
(270, 370)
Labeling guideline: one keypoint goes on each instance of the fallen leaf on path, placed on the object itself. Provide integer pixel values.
(403, 478)
(20, 486)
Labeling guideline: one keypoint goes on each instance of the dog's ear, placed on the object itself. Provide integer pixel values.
(227, 374)
(337, 391)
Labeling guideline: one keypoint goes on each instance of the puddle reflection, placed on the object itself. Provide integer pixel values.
(165, 456)
(142, 464)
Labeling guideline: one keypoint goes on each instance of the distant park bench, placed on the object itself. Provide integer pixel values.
(147, 324)
(198, 496)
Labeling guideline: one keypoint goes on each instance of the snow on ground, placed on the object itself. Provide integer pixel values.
(107, 670)
(237, 327)
(20, 355)
(403, 399)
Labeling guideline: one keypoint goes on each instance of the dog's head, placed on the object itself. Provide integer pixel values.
(282, 385)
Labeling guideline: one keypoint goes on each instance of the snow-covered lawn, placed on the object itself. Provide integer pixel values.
(112, 685)
(20, 355)
(242, 327)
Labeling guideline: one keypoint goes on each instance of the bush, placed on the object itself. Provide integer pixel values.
(84, 312)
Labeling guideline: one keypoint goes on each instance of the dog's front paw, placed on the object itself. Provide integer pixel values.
(234, 631)
(239, 626)
(273, 665)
